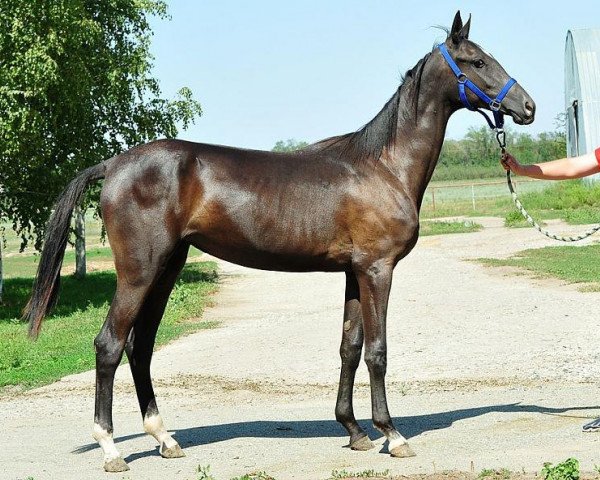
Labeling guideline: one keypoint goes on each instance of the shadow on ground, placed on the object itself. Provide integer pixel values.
(408, 426)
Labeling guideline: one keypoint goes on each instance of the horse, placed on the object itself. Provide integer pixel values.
(349, 203)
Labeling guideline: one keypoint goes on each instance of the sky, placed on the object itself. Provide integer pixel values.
(267, 70)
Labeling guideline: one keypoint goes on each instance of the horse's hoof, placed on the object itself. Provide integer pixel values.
(116, 465)
(362, 444)
(174, 452)
(402, 451)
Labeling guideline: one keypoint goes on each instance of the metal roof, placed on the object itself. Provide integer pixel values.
(582, 90)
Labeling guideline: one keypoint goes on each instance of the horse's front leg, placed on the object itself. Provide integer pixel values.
(350, 350)
(375, 280)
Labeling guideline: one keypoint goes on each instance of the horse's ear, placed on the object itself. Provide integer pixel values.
(457, 26)
(464, 31)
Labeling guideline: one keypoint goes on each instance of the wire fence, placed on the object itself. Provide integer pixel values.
(475, 196)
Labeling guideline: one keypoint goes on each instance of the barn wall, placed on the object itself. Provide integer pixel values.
(582, 84)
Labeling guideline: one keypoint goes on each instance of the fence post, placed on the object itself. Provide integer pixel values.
(473, 195)
(433, 197)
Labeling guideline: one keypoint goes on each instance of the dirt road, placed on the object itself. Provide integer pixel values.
(485, 370)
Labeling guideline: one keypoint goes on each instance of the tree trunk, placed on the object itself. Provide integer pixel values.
(80, 267)
(1, 278)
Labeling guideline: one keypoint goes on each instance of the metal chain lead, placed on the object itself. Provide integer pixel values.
(501, 138)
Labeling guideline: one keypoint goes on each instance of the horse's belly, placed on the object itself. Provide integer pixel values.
(298, 242)
(268, 260)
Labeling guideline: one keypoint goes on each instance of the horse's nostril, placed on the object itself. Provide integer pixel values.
(529, 109)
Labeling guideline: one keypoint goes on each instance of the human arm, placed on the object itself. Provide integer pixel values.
(562, 169)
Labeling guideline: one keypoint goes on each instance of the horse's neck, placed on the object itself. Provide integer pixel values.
(415, 152)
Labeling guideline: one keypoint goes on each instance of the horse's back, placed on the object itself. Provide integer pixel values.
(261, 209)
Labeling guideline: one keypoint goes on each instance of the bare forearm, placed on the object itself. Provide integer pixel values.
(562, 169)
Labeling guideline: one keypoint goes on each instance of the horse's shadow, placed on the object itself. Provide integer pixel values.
(408, 426)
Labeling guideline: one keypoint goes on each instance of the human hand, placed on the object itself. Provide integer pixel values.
(511, 164)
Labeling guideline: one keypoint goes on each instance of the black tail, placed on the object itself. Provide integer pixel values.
(47, 281)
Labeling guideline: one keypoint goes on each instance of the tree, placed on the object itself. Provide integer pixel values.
(75, 89)
(289, 145)
(1, 271)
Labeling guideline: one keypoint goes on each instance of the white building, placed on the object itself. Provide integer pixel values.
(582, 90)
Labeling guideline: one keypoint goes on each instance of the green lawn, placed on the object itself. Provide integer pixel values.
(24, 265)
(475, 197)
(443, 227)
(576, 202)
(570, 263)
(65, 344)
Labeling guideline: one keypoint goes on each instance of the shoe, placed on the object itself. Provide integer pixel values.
(592, 426)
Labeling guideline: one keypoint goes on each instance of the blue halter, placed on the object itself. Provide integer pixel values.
(464, 83)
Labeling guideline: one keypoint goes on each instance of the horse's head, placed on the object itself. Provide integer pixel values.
(485, 72)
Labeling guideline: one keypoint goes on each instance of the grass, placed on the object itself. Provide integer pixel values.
(444, 227)
(567, 470)
(344, 474)
(491, 474)
(65, 345)
(575, 202)
(203, 473)
(570, 263)
(475, 197)
(20, 266)
(93, 228)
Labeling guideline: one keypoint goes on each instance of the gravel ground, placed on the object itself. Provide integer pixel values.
(485, 370)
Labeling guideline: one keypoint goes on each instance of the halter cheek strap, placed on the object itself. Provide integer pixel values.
(464, 83)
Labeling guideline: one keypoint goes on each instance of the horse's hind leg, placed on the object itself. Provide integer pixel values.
(350, 350)
(139, 266)
(109, 345)
(139, 352)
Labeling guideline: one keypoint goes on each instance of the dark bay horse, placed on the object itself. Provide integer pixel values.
(346, 204)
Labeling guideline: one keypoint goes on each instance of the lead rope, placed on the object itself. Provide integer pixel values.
(501, 138)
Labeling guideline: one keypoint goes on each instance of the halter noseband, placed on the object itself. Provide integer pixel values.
(464, 83)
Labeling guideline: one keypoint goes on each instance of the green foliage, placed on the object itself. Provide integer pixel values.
(203, 473)
(66, 343)
(289, 145)
(567, 470)
(477, 154)
(75, 89)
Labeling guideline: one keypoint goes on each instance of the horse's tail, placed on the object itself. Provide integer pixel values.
(47, 280)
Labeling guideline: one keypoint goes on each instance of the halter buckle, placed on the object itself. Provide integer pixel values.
(462, 78)
(495, 105)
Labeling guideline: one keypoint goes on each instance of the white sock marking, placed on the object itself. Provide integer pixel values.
(396, 442)
(106, 442)
(155, 427)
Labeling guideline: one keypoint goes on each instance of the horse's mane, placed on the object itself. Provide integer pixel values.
(369, 141)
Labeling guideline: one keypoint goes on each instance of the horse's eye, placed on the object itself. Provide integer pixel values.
(479, 63)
